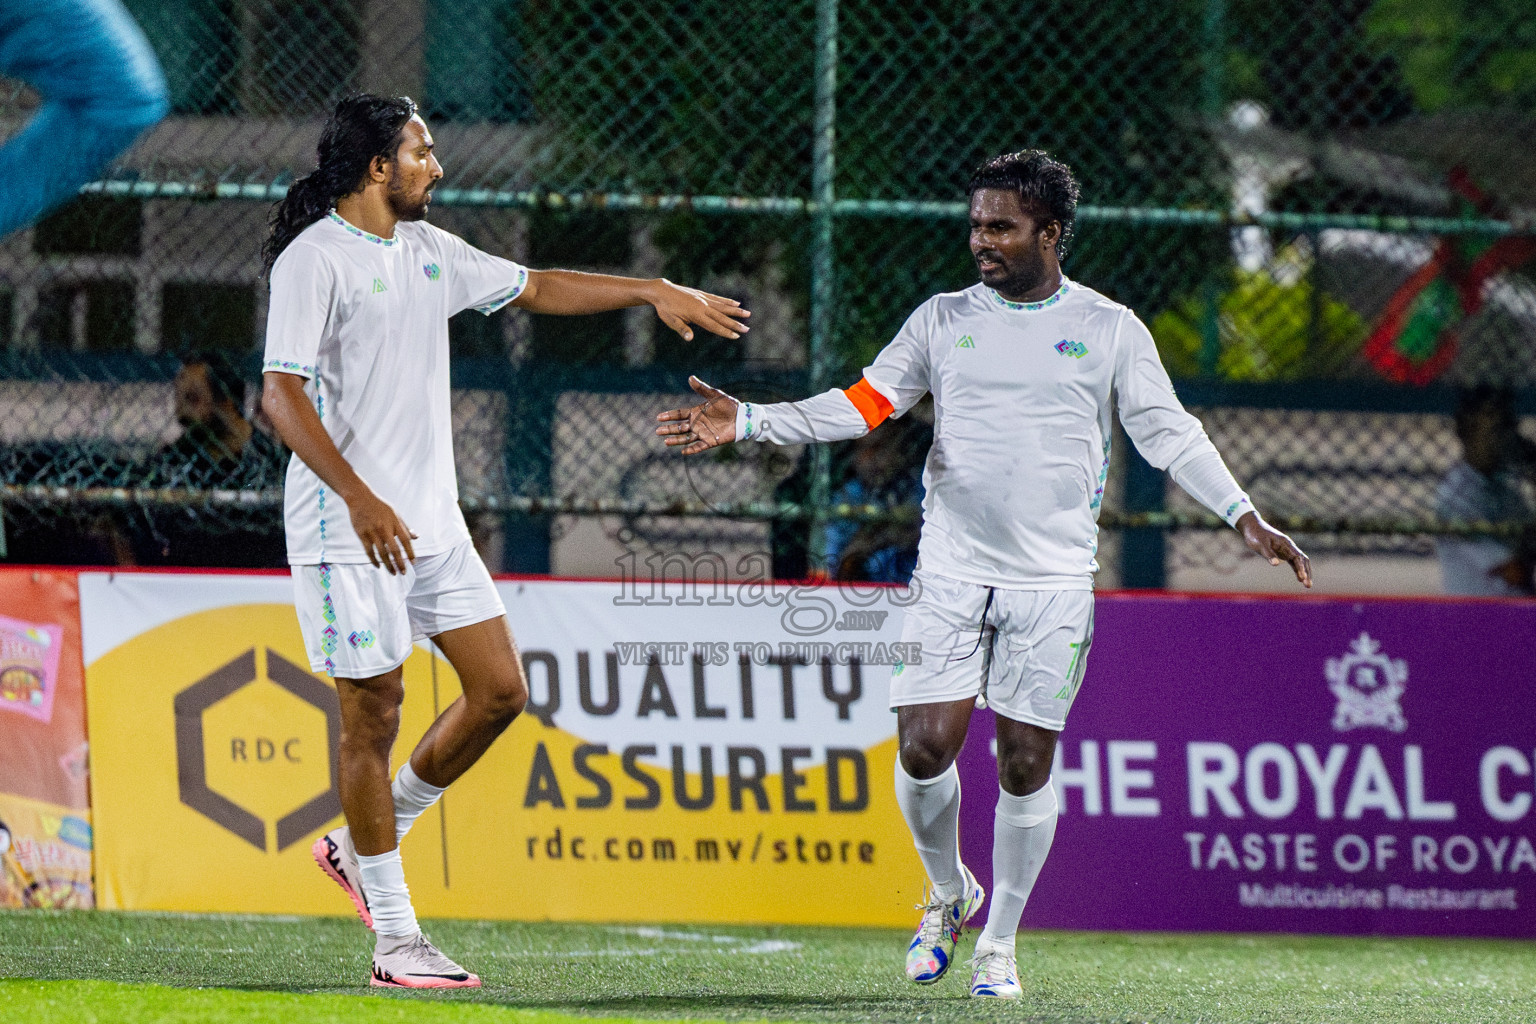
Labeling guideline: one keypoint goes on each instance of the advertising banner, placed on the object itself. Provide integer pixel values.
(45, 821)
(725, 754)
(213, 746)
(701, 754)
(1295, 765)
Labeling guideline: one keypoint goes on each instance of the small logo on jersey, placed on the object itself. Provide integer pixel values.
(430, 269)
(378, 286)
(1075, 349)
(965, 342)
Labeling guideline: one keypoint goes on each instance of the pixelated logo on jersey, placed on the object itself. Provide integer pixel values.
(1075, 349)
(378, 286)
(965, 342)
(432, 271)
(254, 746)
(1368, 685)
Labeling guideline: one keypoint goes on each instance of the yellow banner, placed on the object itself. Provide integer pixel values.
(213, 764)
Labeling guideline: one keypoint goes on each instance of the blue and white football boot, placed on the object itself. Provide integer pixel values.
(933, 947)
(995, 975)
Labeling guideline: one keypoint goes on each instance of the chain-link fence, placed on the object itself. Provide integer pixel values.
(1323, 211)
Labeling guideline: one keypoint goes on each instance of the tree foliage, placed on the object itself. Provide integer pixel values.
(1461, 53)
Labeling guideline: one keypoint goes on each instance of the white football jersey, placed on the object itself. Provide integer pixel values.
(366, 320)
(1021, 438)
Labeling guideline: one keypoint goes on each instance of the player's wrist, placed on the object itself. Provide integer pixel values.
(749, 422)
(1238, 510)
(355, 492)
(1251, 526)
(654, 289)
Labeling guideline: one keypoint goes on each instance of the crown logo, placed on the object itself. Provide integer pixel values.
(1368, 685)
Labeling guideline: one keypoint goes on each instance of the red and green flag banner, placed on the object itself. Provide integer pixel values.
(1415, 338)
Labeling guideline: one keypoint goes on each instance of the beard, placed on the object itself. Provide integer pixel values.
(403, 204)
(1020, 278)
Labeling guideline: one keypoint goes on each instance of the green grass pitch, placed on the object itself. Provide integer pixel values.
(131, 968)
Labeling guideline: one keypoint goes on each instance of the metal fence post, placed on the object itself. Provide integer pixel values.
(1144, 549)
(823, 263)
(1213, 82)
(1212, 99)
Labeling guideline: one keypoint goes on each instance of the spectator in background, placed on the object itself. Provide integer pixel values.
(1488, 485)
(219, 449)
(887, 471)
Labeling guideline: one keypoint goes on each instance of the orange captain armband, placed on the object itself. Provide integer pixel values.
(872, 405)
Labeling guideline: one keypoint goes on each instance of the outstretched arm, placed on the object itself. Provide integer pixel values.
(892, 384)
(573, 293)
(833, 415)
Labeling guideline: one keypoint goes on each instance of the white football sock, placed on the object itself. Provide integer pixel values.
(389, 901)
(932, 809)
(412, 798)
(1021, 837)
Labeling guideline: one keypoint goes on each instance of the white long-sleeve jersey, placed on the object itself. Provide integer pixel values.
(1021, 395)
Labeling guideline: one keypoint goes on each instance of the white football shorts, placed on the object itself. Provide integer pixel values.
(1024, 650)
(359, 621)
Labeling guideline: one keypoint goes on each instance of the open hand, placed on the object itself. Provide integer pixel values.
(386, 539)
(700, 427)
(679, 307)
(1267, 542)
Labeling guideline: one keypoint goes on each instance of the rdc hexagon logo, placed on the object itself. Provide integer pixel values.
(258, 751)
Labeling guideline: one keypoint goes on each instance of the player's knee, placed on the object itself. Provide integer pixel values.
(504, 700)
(373, 733)
(370, 714)
(925, 757)
(509, 703)
(1023, 770)
(385, 698)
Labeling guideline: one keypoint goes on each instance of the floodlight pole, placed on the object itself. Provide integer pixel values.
(823, 264)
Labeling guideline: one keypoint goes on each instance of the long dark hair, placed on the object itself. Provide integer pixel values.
(359, 129)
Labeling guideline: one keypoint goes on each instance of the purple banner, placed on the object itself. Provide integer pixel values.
(1313, 765)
